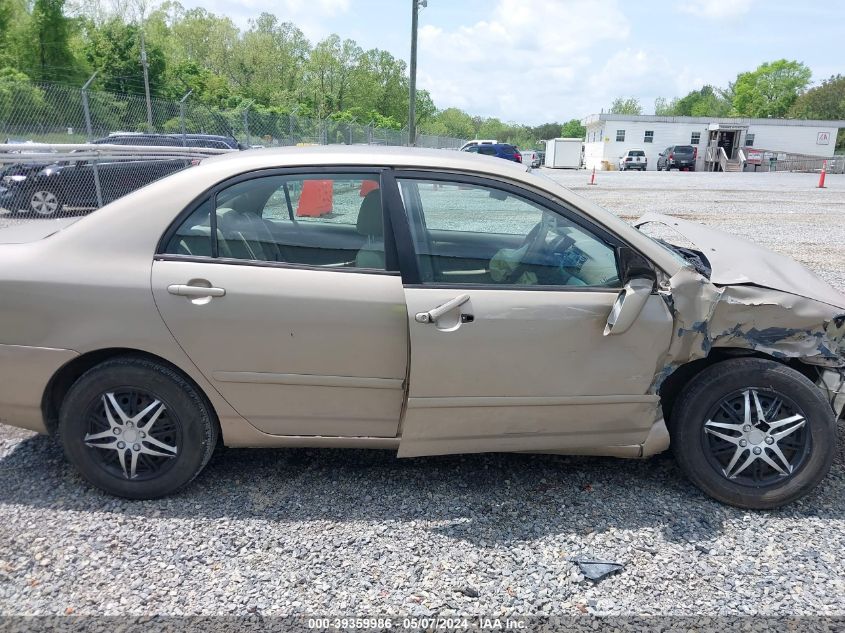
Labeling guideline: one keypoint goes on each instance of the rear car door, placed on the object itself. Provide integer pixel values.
(283, 289)
(508, 295)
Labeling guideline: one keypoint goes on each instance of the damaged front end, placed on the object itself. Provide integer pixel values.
(753, 300)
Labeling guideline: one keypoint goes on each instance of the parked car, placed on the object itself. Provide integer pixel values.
(633, 159)
(459, 306)
(531, 157)
(478, 142)
(211, 141)
(46, 190)
(499, 150)
(677, 157)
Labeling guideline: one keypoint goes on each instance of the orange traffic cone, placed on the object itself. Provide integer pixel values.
(367, 186)
(316, 199)
(822, 176)
(593, 177)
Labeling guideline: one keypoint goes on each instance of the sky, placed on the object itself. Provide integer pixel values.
(534, 61)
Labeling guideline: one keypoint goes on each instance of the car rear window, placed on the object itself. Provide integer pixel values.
(636, 152)
(684, 149)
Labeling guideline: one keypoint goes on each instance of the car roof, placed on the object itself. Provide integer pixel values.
(365, 155)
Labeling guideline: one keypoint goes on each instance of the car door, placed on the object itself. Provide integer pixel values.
(294, 311)
(508, 297)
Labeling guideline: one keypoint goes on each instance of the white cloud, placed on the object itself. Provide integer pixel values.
(328, 8)
(716, 9)
(643, 74)
(529, 61)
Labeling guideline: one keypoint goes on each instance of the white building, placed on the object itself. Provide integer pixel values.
(743, 140)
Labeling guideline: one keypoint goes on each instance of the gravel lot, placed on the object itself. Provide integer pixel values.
(360, 532)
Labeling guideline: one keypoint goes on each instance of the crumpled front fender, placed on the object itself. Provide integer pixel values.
(779, 324)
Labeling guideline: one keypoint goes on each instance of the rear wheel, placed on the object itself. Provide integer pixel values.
(753, 433)
(136, 428)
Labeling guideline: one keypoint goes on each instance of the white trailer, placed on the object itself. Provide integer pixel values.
(564, 153)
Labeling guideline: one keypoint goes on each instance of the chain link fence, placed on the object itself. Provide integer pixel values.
(55, 113)
(67, 151)
(48, 181)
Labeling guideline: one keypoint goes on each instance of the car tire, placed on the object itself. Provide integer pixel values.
(722, 402)
(45, 203)
(128, 453)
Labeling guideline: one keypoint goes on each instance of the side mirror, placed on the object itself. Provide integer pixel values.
(628, 306)
(632, 265)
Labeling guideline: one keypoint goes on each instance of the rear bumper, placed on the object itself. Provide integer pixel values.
(24, 374)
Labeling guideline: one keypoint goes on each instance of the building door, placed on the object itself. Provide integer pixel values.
(727, 140)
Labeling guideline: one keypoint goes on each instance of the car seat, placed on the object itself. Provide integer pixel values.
(371, 225)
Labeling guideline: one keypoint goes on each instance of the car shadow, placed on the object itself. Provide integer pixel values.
(481, 499)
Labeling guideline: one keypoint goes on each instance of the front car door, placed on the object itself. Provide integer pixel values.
(281, 288)
(508, 295)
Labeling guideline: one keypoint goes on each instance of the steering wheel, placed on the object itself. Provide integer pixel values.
(538, 249)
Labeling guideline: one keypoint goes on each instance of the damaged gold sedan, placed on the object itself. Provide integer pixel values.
(426, 302)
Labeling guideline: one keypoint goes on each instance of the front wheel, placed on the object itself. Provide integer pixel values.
(136, 428)
(45, 203)
(753, 433)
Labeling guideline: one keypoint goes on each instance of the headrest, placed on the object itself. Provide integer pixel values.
(370, 221)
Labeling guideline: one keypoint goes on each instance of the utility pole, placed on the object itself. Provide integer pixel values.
(146, 81)
(412, 107)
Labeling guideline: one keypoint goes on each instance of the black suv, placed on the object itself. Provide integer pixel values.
(678, 157)
(46, 190)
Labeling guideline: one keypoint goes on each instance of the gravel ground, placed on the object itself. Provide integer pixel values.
(360, 532)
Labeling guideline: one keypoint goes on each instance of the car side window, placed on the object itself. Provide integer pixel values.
(472, 234)
(326, 220)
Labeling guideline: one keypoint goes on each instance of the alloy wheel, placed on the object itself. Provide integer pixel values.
(133, 434)
(756, 437)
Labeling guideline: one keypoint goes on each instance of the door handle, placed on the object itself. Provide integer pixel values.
(435, 313)
(184, 290)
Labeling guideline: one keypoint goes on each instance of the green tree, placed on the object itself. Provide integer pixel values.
(573, 129)
(629, 105)
(50, 36)
(328, 74)
(771, 89)
(825, 102)
(114, 50)
(21, 103)
(706, 101)
(379, 84)
(662, 107)
(424, 110)
(452, 122)
(493, 128)
(268, 63)
(546, 131)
